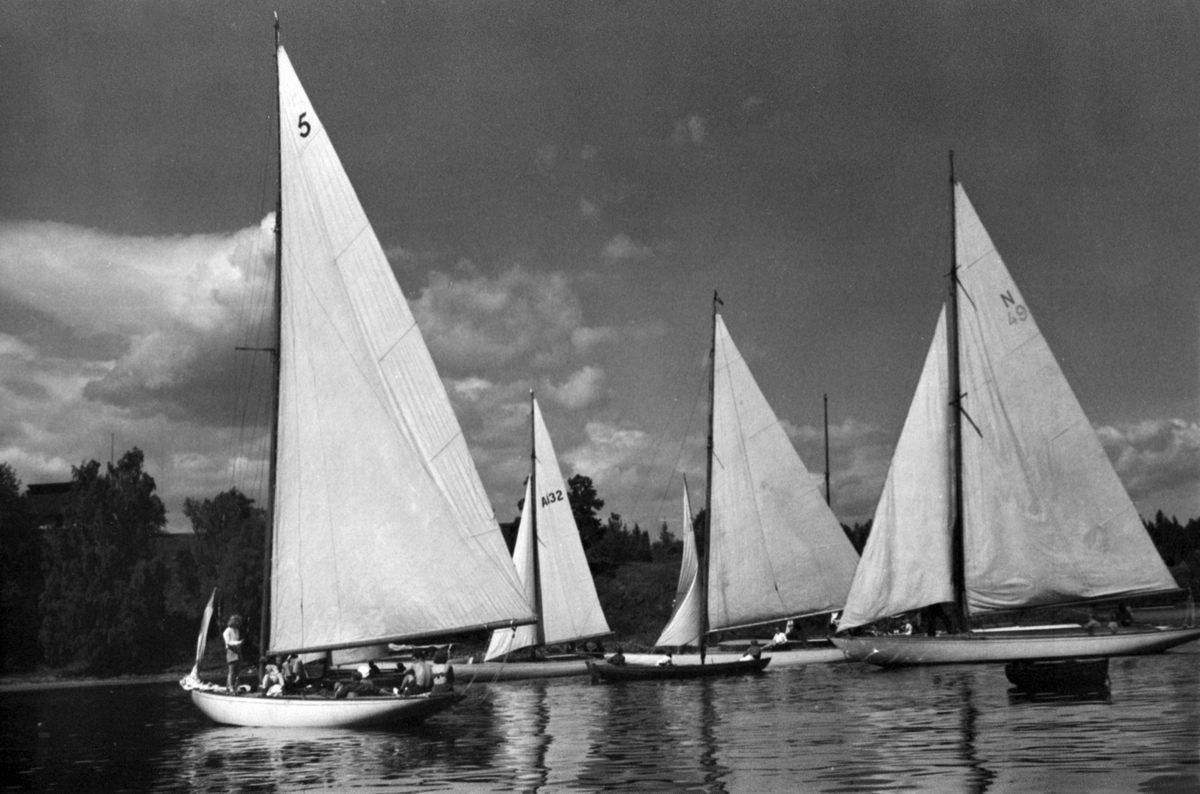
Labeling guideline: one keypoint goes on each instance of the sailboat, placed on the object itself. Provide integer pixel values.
(554, 571)
(381, 531)
(999, 497)
(774, 549)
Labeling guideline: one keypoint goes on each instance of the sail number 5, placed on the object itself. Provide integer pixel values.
(1018, 313)
(552, 497)
(304, 127)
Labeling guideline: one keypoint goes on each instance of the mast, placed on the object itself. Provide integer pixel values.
(533, 496)
(702, 568)
(957, 552)
(828, 494)
(264, 622)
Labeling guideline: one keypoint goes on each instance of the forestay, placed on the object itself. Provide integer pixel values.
(380, 517)
(775, 548)
(570, 608)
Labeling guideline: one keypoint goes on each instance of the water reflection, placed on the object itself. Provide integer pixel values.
(844, 728)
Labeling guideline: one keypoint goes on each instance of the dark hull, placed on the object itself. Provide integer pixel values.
(602, 671)
(1064, 675)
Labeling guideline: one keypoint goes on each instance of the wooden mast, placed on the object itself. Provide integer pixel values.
(958, 561)
(269, 531)
(540, 633)
(702, 573)
(828, 494)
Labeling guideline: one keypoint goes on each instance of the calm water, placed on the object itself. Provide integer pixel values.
(835, 728)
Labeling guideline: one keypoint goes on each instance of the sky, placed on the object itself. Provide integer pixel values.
(561, 187)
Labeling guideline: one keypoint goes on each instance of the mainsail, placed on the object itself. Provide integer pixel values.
(687, 618)
(382, 529)
(775, 549)
(558, 583)
(1046, 519)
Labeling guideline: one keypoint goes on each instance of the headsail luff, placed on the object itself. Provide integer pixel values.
(775, 549)
(570, 608)
(687, 618)
(1046, 519)
(382, 529)
(906, 563)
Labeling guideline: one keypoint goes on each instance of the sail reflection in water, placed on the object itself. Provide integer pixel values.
(811, 728)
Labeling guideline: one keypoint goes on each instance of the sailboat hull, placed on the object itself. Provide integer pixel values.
(895, 650)
(649, 672)
(295, 712)
(486, 672)
(788, 658)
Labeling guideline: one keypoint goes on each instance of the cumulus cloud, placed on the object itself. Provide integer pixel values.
(622, 247)
(486, 325)
(582, 389)
(1155, 458)
(588, 209)
(614, 457)
(115, 341)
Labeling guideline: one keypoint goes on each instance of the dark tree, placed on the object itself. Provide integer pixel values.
(585, 504)
(229, 553)
(20, 576)
(102, 608)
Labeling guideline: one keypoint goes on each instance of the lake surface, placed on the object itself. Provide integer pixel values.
(830, 728)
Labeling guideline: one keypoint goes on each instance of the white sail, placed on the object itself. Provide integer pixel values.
(570, 608)
(505, 641)
(906, 563)
(775, 548)
(1046, 517)
(687, 619)
(382, 529)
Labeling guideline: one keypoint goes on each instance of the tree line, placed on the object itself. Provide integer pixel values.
(110, 592)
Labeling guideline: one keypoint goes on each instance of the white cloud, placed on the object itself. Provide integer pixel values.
(622, 247)
(1155, 458)
(489, 325)
(690, 130)
(582, 389)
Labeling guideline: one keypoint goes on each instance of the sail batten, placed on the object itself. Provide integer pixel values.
(373, 534)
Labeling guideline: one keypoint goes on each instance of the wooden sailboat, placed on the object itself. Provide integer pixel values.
(1014, 508)
(381, 530)
(552, 567)
(774, 549)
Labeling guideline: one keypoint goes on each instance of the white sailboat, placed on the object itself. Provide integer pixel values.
(774, 549)
(552, 567)
(381, 529)
(1015, 508)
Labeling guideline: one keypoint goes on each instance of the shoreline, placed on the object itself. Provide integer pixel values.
(36, 681)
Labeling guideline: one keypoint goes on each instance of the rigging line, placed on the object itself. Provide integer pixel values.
(700, 389)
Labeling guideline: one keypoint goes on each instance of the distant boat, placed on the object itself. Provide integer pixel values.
(552, 566)
(381, 529)
(773, 549)
(999, 496)
(603, 671)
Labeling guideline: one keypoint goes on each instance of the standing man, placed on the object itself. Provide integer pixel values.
(233, 651)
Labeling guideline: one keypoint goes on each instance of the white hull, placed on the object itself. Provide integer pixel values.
(898, 649)
(788, 658)
(316, 712)
(486, 672)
